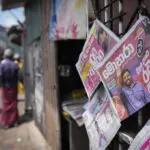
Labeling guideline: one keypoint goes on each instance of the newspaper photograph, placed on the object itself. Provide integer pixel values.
(125, 72)
(99, 42)
(142, 140)
(99, 119)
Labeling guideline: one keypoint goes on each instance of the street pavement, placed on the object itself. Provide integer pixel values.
(24, 137)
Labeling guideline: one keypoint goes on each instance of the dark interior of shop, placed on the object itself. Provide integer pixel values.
(68, 79)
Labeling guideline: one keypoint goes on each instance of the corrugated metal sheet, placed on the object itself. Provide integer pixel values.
(38, 104)
(50, 80)
(34, 82)
(33, 20)
(28, 74)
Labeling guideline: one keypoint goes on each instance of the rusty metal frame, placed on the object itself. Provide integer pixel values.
(139, 8)
(115, 18)
(109, 5)
(97, 11)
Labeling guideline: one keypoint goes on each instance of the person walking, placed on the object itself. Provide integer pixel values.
(17, 59)
(9, 75)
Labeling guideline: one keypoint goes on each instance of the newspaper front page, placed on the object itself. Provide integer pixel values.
(99, 42)
(125, 71)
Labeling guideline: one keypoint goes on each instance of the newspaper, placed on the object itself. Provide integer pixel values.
(79, 122)
(75, 108)
(99, 42)
(142, 140)
(125, 71)
(75, 111)
(99, 119)
(69, 19)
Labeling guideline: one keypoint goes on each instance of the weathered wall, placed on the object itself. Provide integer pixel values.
(28, 75)
(50, 80)
(40, 71)
(33, 32)
(38, 103)
(34, 82)
(33, 20)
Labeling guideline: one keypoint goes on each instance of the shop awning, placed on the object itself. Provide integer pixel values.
(9, 4)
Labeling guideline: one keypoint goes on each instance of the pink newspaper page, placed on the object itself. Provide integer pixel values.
(142, 140)
(125, 72)
(99, 42)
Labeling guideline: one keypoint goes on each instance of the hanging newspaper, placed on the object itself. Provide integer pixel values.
(126, 70)
(75, 108)
(69, 19)
(99, 119)
(142, 140)
(99, 42)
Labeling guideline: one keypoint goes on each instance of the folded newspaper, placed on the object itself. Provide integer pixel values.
(99, 119)
(75, 108)
(99, 42)
(142, 140)
(125, 71)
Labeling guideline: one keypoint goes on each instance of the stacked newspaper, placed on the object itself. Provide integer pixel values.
(75, 108)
